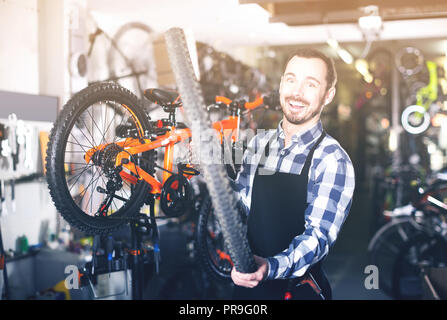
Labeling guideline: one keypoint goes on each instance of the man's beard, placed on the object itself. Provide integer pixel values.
(290, 117)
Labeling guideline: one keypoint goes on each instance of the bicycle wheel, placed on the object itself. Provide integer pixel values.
(130, 58)
(80, 190)
(385, 246)
(223, 199)
(423, 250)
(210, 248)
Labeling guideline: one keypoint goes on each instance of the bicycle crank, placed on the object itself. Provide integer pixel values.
(177, 196)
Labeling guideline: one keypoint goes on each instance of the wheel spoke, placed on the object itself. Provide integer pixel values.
(79, 176)
(94, 122)
(82, 131)
(78, 143)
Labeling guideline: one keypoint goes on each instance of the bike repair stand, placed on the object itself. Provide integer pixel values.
(144, 226)
(134, 257)
(4, 292)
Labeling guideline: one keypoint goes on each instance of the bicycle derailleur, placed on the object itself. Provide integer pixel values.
(106, 159)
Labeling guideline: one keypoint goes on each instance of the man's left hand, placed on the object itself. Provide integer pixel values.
(251, 280)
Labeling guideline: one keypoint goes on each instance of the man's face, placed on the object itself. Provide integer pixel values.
(303, 89)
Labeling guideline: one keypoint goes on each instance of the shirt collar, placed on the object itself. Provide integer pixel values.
(302, 138)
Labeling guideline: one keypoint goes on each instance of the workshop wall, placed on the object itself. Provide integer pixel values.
(19, 46)
(31, 62)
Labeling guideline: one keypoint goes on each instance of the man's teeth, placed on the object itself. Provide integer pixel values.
(296, 104)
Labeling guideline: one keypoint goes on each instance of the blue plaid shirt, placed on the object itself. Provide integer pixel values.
(329, 193)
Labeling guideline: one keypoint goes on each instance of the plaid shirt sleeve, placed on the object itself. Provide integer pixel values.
(330, 190)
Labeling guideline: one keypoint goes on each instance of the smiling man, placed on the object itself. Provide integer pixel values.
(296, 185)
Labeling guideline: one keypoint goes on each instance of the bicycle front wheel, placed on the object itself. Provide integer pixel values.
(93, 196)
(210, 246)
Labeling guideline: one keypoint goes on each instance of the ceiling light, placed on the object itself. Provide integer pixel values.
(368, 78)
(342, 53)
(362, 66)
(345, 56)
(332, 43)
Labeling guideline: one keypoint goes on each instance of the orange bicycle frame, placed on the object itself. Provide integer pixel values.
(132, 146)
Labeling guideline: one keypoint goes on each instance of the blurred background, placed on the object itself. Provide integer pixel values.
(389, 114)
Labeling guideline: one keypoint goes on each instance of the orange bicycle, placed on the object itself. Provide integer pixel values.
(102, 152)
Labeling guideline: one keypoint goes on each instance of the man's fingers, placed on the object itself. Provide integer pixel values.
(258, 276)
(245, 276)
(249, 280)
(247, 284)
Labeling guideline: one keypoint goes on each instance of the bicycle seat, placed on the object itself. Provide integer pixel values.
(163, 97)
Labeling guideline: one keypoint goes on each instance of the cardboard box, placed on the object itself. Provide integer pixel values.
(165, 75)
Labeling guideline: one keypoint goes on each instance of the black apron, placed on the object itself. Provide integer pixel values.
(276, 217)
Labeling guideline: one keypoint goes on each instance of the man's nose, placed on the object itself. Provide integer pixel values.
(298, 89)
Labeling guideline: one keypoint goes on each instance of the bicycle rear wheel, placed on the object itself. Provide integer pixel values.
(93, 196)
(424, 250)
(223, 199)
(385, 246)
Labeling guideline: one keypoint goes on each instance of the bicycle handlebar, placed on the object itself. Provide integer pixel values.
(271, 100)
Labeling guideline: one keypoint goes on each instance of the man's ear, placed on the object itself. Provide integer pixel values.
(329, 96)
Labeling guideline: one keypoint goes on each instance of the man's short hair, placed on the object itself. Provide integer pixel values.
(331, 75)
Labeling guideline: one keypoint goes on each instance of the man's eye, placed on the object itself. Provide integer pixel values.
(311, 85)
(290, 80)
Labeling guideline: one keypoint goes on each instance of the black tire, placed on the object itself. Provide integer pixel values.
(209, 245)
(428, 250)
(72, 182)
(223, 198)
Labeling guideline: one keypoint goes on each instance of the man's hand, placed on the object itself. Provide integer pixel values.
(251, 280)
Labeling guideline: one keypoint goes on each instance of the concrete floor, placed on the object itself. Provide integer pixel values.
(346, 262)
